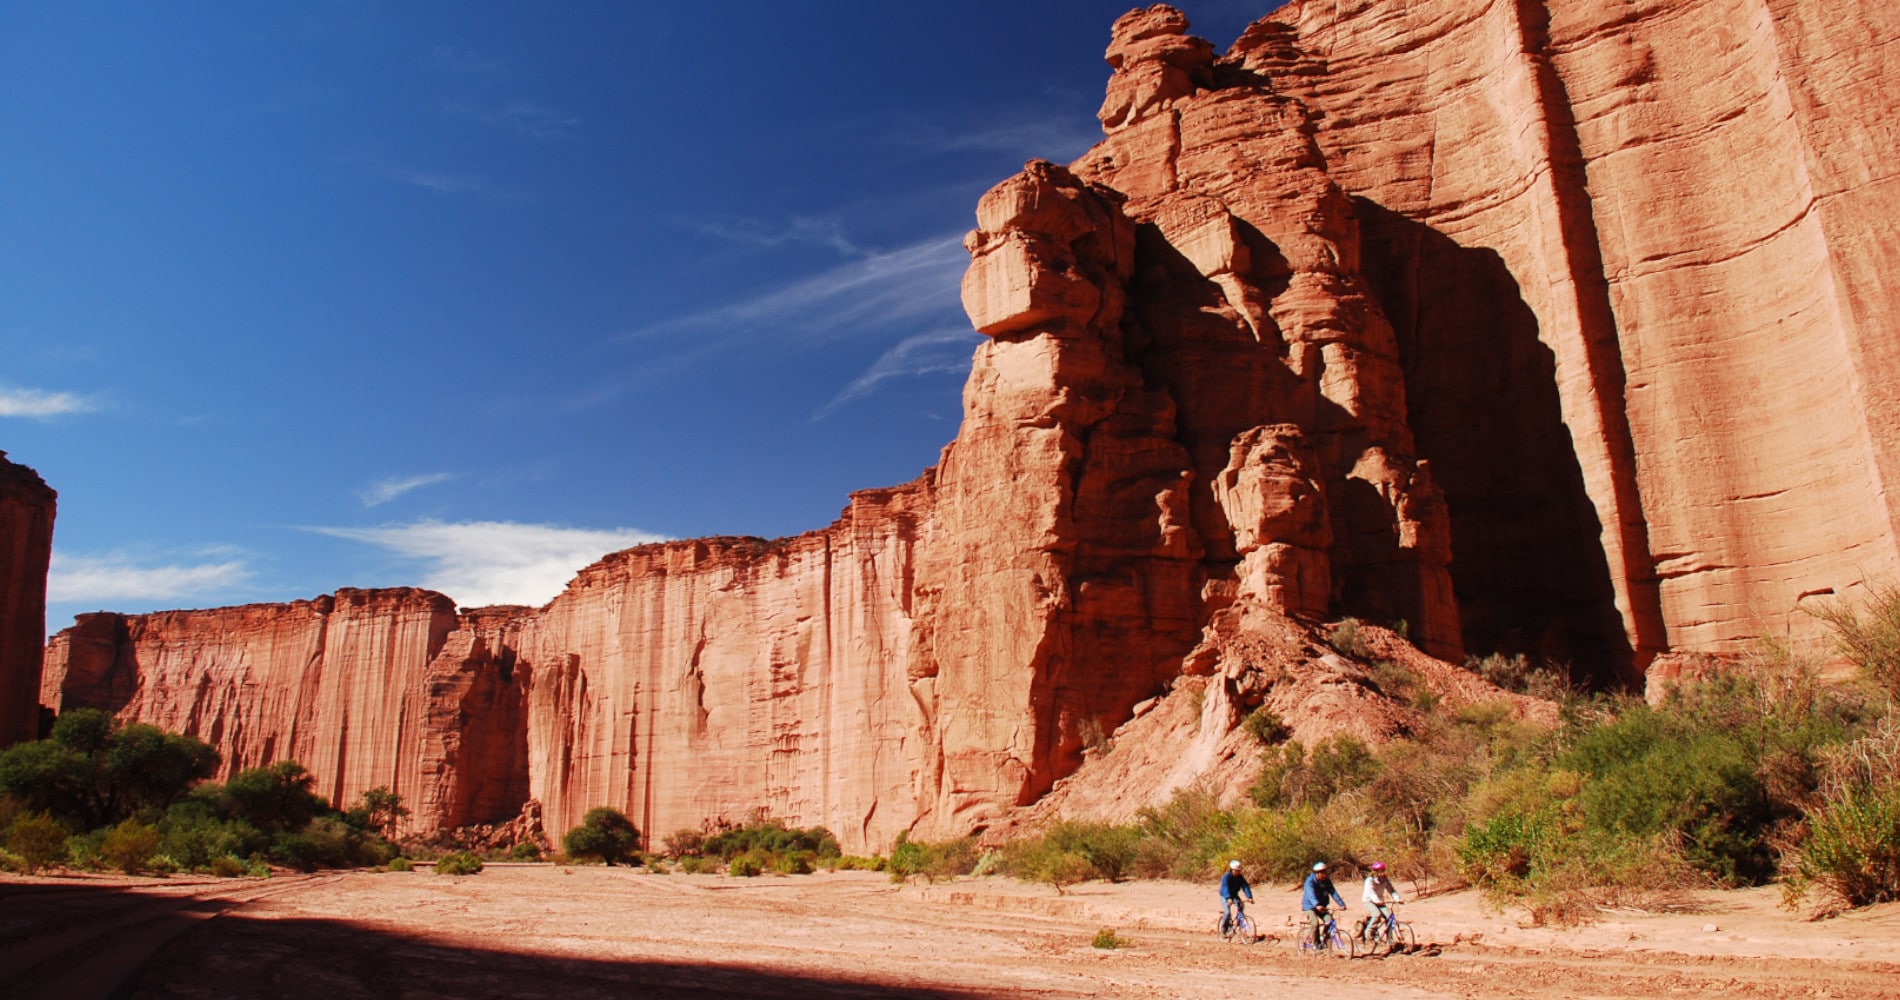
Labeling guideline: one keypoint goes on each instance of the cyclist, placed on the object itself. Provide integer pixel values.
(1233, 885)
(1378, 895)
(1313, 899)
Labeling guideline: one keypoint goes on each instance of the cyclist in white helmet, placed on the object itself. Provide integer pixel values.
(1313, 899)
(1233, 885)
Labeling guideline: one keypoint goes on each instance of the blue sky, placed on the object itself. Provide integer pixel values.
(296, 296)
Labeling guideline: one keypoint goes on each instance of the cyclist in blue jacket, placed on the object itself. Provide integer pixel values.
(1233, 885)
(1314, 896)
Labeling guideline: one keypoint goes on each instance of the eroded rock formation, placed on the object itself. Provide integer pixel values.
(1374, 315)
(27, 507)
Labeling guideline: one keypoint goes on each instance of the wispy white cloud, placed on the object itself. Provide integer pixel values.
(495, 562)
(384, 490)
(874, 289)
(945, 350)
(824, 231)
(523, 117)
(36, 403)
(446, 184)
(462, 59)
(1059, 138)
(120, 577)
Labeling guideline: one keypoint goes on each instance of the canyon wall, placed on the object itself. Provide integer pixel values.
(1640, 258)
(1558, 328)
(27, 507)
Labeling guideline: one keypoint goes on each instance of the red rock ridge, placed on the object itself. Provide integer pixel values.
(27, 508)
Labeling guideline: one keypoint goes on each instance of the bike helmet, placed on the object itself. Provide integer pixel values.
(1235, 865)
(1319, 866)
(1378, 866)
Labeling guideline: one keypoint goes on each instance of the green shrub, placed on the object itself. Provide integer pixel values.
(1348, 640)
(276, 799)
(744, 866)
(11, 862)
(605, 834)
(401, 864)
(681, 843)
(693, 864)
(932, 861)
(226, 867)
(37, 840)
(1853, 849)
(129, 846)
(458, 863)
(94, 772)
(527, 850)
(772, 838)
(1872, 641)
(1265, 727)
(797, 863)
(1107, 940)
(1396, 680)
(1186, 838)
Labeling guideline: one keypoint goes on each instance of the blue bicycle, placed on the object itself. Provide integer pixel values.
(1387, 933)
(1326, 939)
(1237, 927)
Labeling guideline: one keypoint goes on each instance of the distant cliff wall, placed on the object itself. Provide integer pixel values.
(27, 507)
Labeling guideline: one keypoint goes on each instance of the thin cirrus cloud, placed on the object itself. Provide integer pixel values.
(871, 290)
(824, 231)
(945, 350)
(522, 117)
(384, 490)
(39, 404)
(120, 577)
(495, 562)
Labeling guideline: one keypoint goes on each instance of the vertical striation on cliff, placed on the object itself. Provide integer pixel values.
(27, 507)
(1677, 221)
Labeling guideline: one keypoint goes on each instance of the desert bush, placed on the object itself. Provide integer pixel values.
(605, 834)
(378, 812)
(226, 867)
(129, 846)
(93, 772)
(527, 850)
(1266, 727)
(771, 838)
(458, 863)
(1186, 838)
(1396, 680)
(747, 865)
(1071, 852)
(1348, 640)
(1871, 639)
(1852, 851)
(1519, 673)
(681, 843)
(693, 864)
(1290, 776)
(796, 863)
(37, 840)
(276, 799)
(1107, 940)
(932, 861)
(401, 864)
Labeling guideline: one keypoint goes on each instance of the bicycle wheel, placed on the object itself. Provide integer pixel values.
(1245, 931)
(1344, 945)
(1404, 939)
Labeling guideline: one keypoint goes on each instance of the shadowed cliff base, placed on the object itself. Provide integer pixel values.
(1528, 566)
(115, 940)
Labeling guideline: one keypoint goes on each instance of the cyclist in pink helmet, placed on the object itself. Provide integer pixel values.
(1379, 895)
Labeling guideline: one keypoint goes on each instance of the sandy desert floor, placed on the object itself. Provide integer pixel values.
(583, 932)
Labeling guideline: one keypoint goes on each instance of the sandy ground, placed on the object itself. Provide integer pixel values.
(546, 931)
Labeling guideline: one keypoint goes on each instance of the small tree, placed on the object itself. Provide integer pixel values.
(605, 833)
(378, 812)
(38, 839)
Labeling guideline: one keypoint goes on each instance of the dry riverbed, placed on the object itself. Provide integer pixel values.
(582, 932)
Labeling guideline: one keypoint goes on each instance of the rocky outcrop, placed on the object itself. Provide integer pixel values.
(27, 507)
(1547, 327)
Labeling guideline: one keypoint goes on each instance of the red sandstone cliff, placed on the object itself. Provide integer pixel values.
(1552, 327)
(26, 548)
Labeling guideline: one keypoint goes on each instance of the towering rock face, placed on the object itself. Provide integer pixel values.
(1554, 327)
(1640, 257)
(26, 549)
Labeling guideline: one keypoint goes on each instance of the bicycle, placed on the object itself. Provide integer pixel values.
(1390, 934)
(1329, 939)
(1238, 926)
